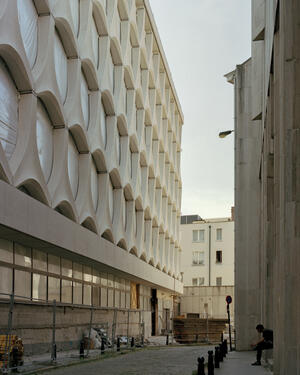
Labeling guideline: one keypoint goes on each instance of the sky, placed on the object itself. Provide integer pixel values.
(203, 40)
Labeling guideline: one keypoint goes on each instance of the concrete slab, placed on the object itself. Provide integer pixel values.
(237, 363)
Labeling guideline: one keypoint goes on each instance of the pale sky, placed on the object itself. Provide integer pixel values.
(203, 40)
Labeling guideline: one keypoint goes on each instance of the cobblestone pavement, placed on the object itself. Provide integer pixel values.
(157, 361)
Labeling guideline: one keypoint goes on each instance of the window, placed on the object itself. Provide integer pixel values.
(219, 281)
(9, 111)
(73, 166)
(218, 256)
(28, 20)
(219, 234)
(198, 235)
(198, 257)
(198, 281)
(61, 67)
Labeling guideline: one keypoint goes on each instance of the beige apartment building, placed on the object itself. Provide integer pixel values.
(90, 185)
(207, 257)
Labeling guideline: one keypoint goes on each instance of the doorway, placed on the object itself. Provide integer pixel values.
(154, 312)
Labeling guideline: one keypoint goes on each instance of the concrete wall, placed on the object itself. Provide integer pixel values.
(207, 300)
(210, 269)
(267, 229)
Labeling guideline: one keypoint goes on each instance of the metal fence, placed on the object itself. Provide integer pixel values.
(23, 316)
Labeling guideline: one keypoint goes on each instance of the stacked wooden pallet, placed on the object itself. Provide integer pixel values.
(192, 330)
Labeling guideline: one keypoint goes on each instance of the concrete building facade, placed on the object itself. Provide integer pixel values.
(90, 140)
(207, 257)
(267, 183)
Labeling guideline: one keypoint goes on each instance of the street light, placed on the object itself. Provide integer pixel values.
(225, 133)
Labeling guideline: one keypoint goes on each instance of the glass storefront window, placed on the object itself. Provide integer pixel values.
(77, 293)
(110, 297)
(5, 281)
(66, 291)
(39, 287)
(87, 274)
(6, 251)
(77, 271)
(127, 285)
(22, 284)
(54, 264)
(22, 255)
(39, 260)
(87, 294)
(123, 304)
(104, 297)
(95, 296)
(96, 277)
(117, 298)
(103, 279)
(53, 289)
(110, 280)
(66, 267)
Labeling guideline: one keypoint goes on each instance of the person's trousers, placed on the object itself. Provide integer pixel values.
(262, 346)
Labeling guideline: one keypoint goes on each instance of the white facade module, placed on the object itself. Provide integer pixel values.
(90, 141)
(207, 257)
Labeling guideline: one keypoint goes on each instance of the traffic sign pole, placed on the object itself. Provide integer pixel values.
(229, 300)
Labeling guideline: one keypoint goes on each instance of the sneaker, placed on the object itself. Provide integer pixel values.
(257, 363)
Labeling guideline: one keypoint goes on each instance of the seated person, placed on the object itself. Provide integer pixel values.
(265, 343)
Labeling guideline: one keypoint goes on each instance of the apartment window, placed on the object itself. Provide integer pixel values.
(198, 281)
(198, 235)
(219, 234)
(218, 256)
(198, 257)
(219, 281)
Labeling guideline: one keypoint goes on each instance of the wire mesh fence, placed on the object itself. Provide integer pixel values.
(28, 326)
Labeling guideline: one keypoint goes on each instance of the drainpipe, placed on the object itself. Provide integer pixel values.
(209, 255)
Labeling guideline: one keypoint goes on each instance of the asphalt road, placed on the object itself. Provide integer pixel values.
(179, 360)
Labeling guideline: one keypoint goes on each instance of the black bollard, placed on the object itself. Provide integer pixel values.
(102, 346)
(132, 342)
(167, 340)
(222, 337)
(201, 366)
(81, 349)
(118, 344)
(217, 357)
(225, 347)
(210, 364)
(221, 352)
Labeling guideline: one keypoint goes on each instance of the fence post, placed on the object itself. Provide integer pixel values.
(90, 328)
(8, 336)
(206, 327)
(113, 329)
(53, 351)
(128, 328)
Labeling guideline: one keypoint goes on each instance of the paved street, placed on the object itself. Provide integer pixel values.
(163, 361)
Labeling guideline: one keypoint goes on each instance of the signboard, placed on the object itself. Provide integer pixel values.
(228, 299)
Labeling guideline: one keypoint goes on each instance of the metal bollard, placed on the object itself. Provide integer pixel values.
(226, 346)
(118, 344)
(221, 352)
(222, 337)
(210, 364)
(102, 346)
(81, 349)
(132, 342)
(201, 366)
(224, 349)
(167, 339)
(217, 357)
